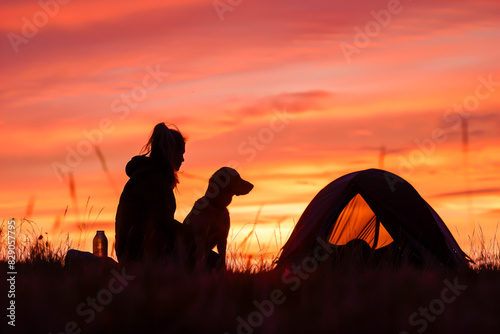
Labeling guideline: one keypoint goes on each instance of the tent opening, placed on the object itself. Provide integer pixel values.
(357, 221)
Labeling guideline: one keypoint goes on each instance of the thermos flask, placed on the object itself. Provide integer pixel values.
(100, 244)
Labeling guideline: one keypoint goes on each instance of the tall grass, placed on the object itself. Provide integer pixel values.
(485, 254)
(33, 246)
(331, 299)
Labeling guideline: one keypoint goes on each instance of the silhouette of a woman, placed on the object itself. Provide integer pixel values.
(145, 228)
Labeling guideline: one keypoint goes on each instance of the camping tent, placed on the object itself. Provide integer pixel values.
(378, 207)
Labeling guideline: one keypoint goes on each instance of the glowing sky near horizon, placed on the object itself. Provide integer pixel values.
(288, 91)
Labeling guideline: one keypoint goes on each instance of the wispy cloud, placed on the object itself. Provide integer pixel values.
(470, 192)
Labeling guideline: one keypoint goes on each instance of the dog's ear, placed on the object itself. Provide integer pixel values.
(223, 176)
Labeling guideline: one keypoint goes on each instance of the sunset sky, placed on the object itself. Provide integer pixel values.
(293, 93)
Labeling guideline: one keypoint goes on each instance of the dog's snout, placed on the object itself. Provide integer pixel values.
(244, 188)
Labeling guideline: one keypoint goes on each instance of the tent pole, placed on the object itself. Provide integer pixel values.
(377, 228)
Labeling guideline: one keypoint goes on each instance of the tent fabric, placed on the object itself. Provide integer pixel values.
(358, 221)
(378, 207)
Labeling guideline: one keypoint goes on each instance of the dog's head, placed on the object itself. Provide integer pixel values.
(227, 181)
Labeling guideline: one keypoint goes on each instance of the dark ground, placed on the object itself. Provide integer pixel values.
(149, 299)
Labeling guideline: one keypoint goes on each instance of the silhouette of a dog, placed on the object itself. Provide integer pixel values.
(209, 219)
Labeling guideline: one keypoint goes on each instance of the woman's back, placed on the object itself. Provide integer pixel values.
(145, 214)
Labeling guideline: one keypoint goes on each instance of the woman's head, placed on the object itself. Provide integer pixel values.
(166, 147)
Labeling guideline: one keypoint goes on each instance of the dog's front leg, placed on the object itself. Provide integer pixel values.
(221, 249)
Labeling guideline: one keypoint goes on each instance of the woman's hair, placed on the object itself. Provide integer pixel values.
(162, 145)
